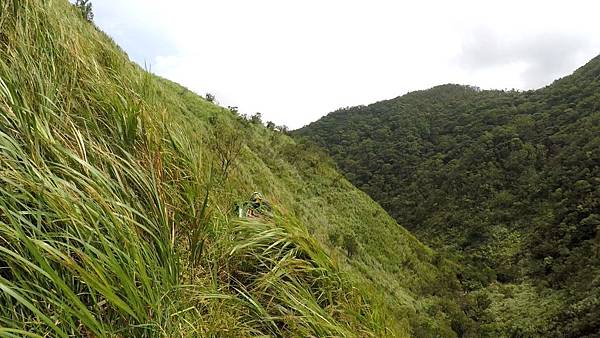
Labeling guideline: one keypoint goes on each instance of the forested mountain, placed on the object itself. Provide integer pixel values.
(505, 182)
(117, 195)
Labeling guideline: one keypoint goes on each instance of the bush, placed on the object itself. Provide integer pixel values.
(85, 8)
(350, 244)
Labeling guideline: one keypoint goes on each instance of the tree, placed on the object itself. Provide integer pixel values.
(284, 129)
(210, 97)
(233, 109)
(271, 125)
(256, 118)
(350, 244)
(85, 8)
(227, 143)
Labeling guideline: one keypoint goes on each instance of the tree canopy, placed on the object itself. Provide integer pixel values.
(507, 182)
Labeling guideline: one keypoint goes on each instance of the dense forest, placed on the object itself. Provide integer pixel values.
(507, 183)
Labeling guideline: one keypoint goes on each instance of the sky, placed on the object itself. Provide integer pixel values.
(295, 61)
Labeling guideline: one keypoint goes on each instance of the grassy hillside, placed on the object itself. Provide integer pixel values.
(508, 183)
(116, 210)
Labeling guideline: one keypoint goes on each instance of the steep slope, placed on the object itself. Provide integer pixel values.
(506, 182)
(116, 197)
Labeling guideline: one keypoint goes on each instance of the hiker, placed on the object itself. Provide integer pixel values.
(256, 200)
(254, 205)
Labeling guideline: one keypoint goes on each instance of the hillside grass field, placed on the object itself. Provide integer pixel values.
(117, 191)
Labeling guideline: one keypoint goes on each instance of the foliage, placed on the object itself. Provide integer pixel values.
(114, 221)
(284, 129)
(506, 182)
(85, 8)
(227, 143)
(256, 118)
(350, 244)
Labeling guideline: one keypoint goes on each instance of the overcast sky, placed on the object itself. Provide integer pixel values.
(295, 61)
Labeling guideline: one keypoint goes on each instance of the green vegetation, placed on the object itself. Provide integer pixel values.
(116, 197)
(85, 8)
(505, 182)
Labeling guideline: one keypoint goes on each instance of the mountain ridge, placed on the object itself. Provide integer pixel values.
(504, 181)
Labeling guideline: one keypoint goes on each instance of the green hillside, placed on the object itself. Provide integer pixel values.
(117, 216)
(506, 182)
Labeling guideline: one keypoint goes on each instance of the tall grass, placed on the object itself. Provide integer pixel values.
(110, 221)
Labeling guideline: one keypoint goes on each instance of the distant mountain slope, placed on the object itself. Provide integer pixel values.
(508, 182)
(117, 195)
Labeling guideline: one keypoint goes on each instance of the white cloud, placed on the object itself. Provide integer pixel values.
(541, 58)
(295, 61)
